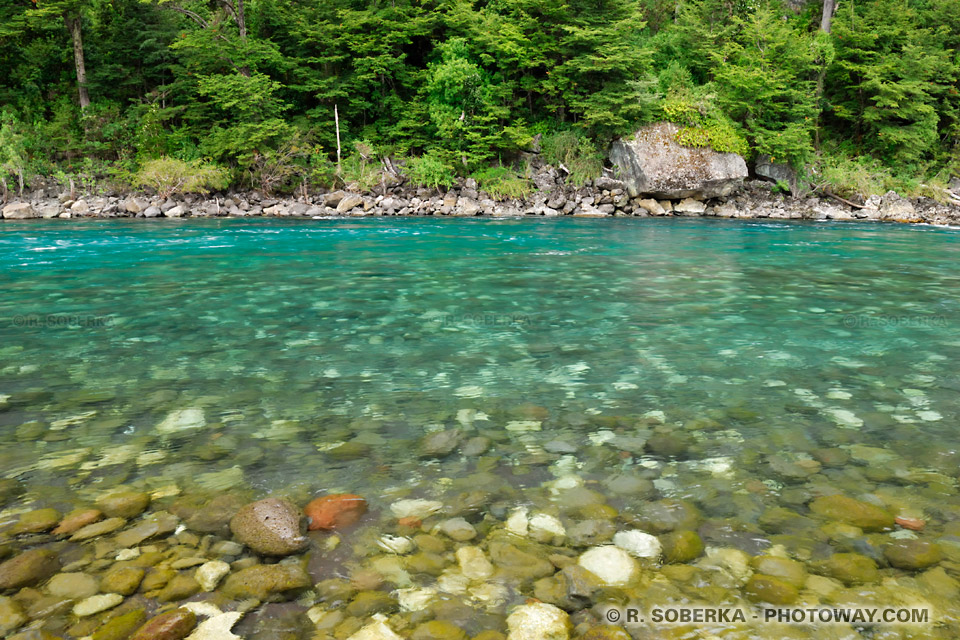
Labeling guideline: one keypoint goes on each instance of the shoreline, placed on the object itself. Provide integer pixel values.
(608, 199)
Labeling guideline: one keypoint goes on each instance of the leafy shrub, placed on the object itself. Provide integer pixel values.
(360, 171)
(503, 182)
(575, 153)
(282, 168)
(429, 170)
(168, 176)
(701, 125)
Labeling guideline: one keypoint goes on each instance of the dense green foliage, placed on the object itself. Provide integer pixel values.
(458, 86)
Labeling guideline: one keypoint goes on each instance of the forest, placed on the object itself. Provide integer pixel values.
(277, 95)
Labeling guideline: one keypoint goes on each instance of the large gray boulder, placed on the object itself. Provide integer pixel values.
(20, 211)
(776, 171)
(653, 163)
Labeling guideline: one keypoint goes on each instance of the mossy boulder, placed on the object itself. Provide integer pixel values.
(681, 546)
(785, 569)
(265, 581)
(851, 568)
(762, 588)
(124, 504)
(438, 630)
(850, 511)
(912, 555)
(37, 521)
(122, 580)
(122, 626)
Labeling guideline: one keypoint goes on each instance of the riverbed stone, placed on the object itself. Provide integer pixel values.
(850, 511)
(440, 444)
(785, 569)
(438, 630)
(474, 563)
(36, 521)
(681, 546)
(912, 555)
(20, 211)
(123, 504)
(120, 627)
(97, 529)
(172, 625)
(271, 526)
(538, 621)
(851, 568)
(74, 586)
(458, 529)
(335, 511)
(28, 568)
(517, 563)
(122, 580)
(367, 603)
(209, 574)
(612, 565)
(762, 588)
(96, 604)
(11, 616)
(263, 581)
(638, 544)
(77, 519)
(156, 524)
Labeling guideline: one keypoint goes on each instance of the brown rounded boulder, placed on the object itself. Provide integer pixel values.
(272, 527)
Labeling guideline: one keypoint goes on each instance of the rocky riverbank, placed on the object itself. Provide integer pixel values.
(606, 197)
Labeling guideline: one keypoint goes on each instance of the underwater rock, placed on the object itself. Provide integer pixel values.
(271, 526)
(335, 511)
(28, 568)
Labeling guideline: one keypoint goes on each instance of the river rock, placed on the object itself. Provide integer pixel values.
(264, 580)
(652, 162)
(681, 546)
(173, 625)
(897, 209)
(179, 587)
(415, 508)
(20, 211)
(784, 569)
(538, 621)
(271, 526)
(638, 544)
(121, 626)
(28, 568)
(854, 512)
(209, 574)
(440, 444)
(37, 521)
(613, 566)
(517, 563)
(182, 420)
(348, 203)
(11, 616)
(367, 603)
(761, 588)
(335, 511)
(851, 568)
(912, 555)
(74, 586)
(123, 504)
(376, 630)
(473, 563)
(122, 580)
(766, 167)
(458, 529)
(156, 524)
(96, 604)
(77, 519)
(438, 629)
(97, 529)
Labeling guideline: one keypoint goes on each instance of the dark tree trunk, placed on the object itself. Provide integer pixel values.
(76, 34)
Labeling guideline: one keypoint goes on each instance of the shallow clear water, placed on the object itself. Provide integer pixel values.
(568, 342)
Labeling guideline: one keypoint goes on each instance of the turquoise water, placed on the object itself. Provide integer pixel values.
(702, 355)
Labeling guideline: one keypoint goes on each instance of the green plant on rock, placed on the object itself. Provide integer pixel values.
(503, 182)
(702, 125)
(360, 171)
(170, 176)
(430, 170)
(574, 153)
(13, 153)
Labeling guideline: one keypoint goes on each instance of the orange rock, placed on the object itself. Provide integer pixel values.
(410, 521)
(335, 511)
(914, 524)
(76, 520)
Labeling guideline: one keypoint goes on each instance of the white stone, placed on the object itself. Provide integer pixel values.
(614, 566)
(491, 594)
(211, 573)
(395, 544)
(538, 621)
(377, 630)
(414, 599)
(415, 508)
(638, 544)
(546, 528)
(182, 420)
(453, 582)
(521, 426)
(458, 529)
(518, 522)
(96, 604)
(217, 627)
(473, 563)
(734, 562)
(73, 585)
